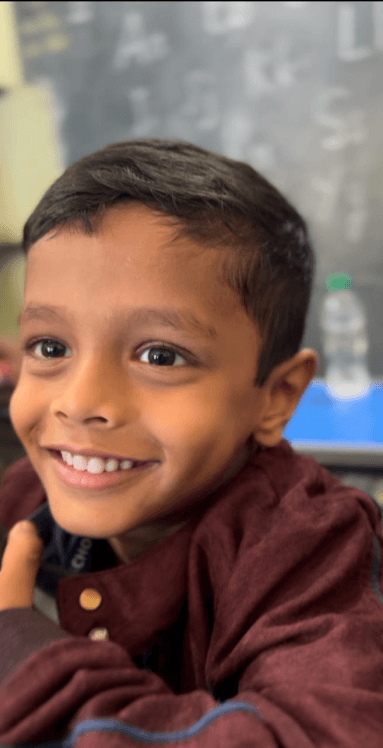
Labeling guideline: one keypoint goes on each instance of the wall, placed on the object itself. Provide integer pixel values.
(29, 157)
(29, 162)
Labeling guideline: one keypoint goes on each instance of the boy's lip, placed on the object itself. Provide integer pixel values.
(92, 453)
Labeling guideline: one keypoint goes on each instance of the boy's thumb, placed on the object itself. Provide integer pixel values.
(20, 565)
(24, 534)
(25, 526)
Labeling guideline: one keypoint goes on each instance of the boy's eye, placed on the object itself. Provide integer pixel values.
(157, 355)
(160, 355)
(48, 347)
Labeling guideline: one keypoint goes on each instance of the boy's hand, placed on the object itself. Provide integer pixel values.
(21, 561)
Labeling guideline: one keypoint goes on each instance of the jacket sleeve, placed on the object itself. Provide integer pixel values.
(295, 657)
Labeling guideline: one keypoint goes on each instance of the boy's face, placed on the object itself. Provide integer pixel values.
(102, 390)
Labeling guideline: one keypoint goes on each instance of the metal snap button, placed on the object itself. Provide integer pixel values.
(99, 635)
(90, 599)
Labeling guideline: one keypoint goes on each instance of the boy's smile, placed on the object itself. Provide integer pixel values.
(107, 387)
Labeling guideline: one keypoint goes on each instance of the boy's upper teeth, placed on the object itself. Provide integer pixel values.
(95, 464)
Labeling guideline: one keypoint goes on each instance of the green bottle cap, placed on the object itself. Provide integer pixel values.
(338, 281)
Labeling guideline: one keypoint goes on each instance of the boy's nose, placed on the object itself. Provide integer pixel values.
(97, 392)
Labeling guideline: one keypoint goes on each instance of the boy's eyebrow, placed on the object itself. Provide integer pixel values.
(176, 318)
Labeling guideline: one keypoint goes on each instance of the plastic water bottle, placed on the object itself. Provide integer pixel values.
(345, 342)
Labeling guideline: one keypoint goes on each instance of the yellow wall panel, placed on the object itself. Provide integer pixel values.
(12, 279)
(29, 160)
(11, 73)
(29, 154)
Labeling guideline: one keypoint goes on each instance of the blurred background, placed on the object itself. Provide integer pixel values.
(293, 88)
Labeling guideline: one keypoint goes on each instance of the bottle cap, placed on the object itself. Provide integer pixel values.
(338, 281)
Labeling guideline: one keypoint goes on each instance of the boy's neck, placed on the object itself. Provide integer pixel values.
(139, 540)
(136, 542)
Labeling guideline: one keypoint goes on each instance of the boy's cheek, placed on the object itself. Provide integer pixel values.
(14, 413)
(23, 411)
(189, 426)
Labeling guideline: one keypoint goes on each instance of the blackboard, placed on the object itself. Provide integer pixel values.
(293, 88)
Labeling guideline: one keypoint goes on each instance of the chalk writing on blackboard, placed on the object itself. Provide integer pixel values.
(145, 121)
(356, 217)
(136, 44)
(223, 17)
(268, 70)
(80, 12)
(347, 129)
(349, 48)
(201, 99)
(327, 188)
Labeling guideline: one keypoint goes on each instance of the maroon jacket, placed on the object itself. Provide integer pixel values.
(258, 623)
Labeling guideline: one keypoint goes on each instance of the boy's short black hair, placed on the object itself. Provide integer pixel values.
(217, 202)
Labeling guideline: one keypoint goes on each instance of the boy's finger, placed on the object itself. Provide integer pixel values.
(20, 564)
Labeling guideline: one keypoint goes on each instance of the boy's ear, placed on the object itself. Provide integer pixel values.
(281, 394)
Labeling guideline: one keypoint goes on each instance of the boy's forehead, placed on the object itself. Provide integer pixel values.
(124, 230)
(135, 240)
(75, 272)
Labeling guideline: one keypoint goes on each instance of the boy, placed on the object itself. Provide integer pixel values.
(201, 584)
